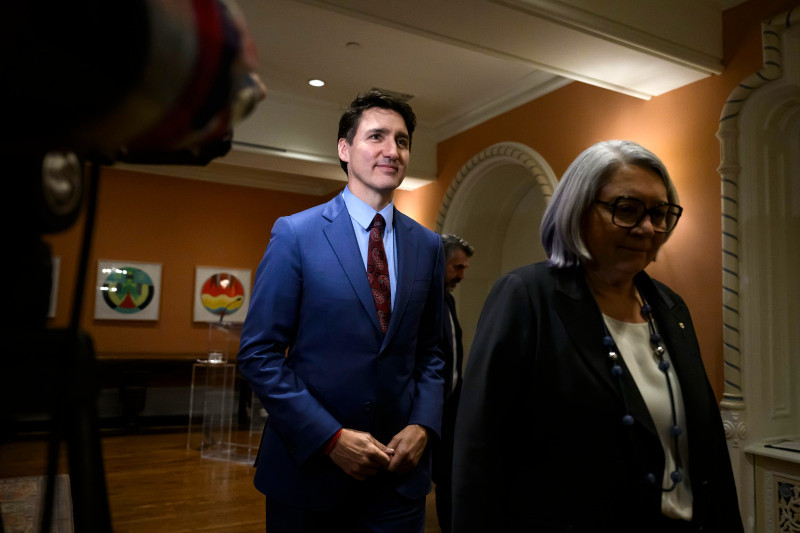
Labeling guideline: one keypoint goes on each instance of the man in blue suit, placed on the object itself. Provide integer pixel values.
(347, 362)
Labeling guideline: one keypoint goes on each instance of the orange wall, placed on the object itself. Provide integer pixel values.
(678, 126)
(181, 224)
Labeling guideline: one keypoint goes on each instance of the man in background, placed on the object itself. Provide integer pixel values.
(457, 253)
(341, 344)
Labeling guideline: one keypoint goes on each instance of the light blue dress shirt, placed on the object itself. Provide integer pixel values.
(361, 215)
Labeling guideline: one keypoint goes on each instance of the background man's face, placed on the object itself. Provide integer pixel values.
(455, 268)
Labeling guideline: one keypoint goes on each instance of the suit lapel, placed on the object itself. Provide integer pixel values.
(579, 314)
(343, 242)
(406, 250)
(583, 321)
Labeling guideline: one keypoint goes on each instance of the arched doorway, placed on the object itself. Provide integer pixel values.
(495, 202)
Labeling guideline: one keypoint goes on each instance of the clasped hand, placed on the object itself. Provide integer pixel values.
(360, 454)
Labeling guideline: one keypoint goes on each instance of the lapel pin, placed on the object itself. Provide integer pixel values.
(681, 325)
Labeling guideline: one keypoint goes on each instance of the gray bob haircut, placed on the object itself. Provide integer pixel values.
(577, 190)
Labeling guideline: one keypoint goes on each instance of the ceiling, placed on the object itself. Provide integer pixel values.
(461, 61)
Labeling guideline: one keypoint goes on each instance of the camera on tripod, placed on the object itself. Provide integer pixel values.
(88, 84)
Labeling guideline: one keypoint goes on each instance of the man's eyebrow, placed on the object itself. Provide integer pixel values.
(384, 131)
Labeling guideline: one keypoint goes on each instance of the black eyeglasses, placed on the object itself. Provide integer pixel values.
(628, 212)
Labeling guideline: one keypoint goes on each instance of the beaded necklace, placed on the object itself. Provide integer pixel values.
(663, 365)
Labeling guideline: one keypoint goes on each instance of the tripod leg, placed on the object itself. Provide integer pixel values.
(91, 511)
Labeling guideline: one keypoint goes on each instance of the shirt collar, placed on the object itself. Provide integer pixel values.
(362, 213)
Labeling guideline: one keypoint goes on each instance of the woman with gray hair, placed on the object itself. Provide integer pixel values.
(585, 405)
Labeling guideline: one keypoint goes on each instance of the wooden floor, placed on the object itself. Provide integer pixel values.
(155, 484)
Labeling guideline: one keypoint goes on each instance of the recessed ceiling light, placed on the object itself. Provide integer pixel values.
(316, 83)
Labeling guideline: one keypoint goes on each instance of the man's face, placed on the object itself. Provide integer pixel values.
(455, 268)
(378, 158)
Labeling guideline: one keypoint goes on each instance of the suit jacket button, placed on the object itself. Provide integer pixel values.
(367, 407)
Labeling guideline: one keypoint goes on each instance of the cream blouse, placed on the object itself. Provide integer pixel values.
(633, 342)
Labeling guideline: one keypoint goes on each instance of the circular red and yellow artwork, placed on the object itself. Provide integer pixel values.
(222, 294)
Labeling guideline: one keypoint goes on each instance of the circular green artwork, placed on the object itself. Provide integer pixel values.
(127, 290)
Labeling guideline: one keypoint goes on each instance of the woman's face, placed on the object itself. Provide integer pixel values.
(621, 253)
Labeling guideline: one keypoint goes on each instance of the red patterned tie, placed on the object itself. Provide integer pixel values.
(378, 272)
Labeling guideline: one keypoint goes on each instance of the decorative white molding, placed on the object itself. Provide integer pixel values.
(781, 503)
(530, 88)
(729, 168)
(571, 15)
(758, 135)
(500, 153)
(788, 504)
(769, 500)
(735, 426)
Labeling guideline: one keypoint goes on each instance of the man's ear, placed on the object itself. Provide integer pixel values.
(344, 150)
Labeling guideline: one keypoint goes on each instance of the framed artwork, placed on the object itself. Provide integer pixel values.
(127, 290)
(221, 294)
(55, 261)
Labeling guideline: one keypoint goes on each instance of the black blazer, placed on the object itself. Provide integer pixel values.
(539, 443)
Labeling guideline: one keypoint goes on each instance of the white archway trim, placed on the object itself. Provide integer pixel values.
(499, 154)
(756, 171)
(729, 169)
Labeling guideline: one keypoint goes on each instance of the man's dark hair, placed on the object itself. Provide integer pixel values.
(453, 242)
(348, 124)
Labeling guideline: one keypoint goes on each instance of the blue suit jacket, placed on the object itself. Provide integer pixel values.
(312, 351)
